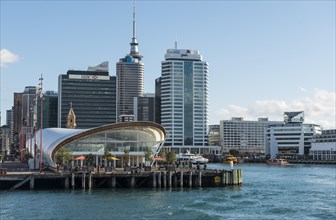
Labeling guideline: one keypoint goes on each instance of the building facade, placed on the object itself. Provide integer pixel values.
(214, 135)
(158, 100)
(130, 79)
(293, 138)
(144, 108)
(135, 138)
(184, 100)
(323, 146)
(50, 108)
(92, 95)
(247, 137)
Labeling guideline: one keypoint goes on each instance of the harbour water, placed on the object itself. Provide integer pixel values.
(268, 192)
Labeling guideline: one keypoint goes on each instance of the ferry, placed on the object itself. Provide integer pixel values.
(193, 158)
(275, 161)
(230, 158)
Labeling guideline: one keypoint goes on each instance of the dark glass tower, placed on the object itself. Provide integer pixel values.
(92, 94)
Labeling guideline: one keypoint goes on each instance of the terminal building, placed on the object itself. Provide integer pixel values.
(293, 138)
(323, 147)
(129, 138)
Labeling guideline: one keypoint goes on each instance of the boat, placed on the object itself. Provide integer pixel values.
(193, 158)
(276, 161)
(230, 158)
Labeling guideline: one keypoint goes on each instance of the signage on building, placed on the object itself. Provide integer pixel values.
(91, 77)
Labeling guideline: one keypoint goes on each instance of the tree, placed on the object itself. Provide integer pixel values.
(126, 156)
(90, 158)
(149, 155)
(234, 152)
(63, 156)
(170, 157)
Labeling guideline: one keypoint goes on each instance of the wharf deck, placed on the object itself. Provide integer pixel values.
(121, 179)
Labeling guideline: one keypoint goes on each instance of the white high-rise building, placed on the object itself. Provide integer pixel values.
(245, 136)
(184, 100)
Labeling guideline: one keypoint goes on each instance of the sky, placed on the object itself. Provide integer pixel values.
(265, 57)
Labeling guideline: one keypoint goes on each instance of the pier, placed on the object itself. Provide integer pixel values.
(160, 179)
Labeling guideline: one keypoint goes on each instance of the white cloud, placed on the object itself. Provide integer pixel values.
(302, 89)
(7, 57)
(319, 109)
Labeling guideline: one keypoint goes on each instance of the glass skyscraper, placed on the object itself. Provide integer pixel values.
(184, 99)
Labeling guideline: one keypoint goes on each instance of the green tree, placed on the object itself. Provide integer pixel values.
(90, 159)
(149, 155)
(162, 153)
(234, 152)
(170, 157)
(63, 156)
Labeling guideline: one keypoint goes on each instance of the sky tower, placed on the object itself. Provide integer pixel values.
(130, 79)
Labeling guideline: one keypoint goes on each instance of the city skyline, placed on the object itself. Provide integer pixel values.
(264, 58)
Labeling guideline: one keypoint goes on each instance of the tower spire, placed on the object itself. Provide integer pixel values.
(134, 44)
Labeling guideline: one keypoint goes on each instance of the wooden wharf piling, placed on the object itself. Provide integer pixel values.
(160, 179)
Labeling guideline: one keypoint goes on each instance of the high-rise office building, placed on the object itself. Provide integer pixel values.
(28, 102)
(144, 108)
(50, 108)
(92, 95)
(130, 78)
(17, 119)
(158, 100)
(184, 100)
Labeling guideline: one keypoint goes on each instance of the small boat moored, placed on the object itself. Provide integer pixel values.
(276, 161)
(230, 158)
(193, 158)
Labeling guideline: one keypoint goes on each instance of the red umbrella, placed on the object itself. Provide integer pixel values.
(158, 159)
(80, 158)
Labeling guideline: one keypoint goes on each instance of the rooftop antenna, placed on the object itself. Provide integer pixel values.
(134, 44)
(134, 26)
(175, 41)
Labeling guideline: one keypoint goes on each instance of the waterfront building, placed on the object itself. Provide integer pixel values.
(246, 136)
(291, 139)
(144, 108)
(92, 95)
(184, 100)
(214, 135)
(130, 79)
(128, 142)
(323, 147)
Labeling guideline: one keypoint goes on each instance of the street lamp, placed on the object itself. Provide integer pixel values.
(41, 117)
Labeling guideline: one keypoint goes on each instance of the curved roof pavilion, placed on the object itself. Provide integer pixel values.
(135, 137)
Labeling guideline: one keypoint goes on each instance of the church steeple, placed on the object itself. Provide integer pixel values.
(134, 44)
(71, 119)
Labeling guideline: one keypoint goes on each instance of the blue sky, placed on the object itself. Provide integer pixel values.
(265, 57)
